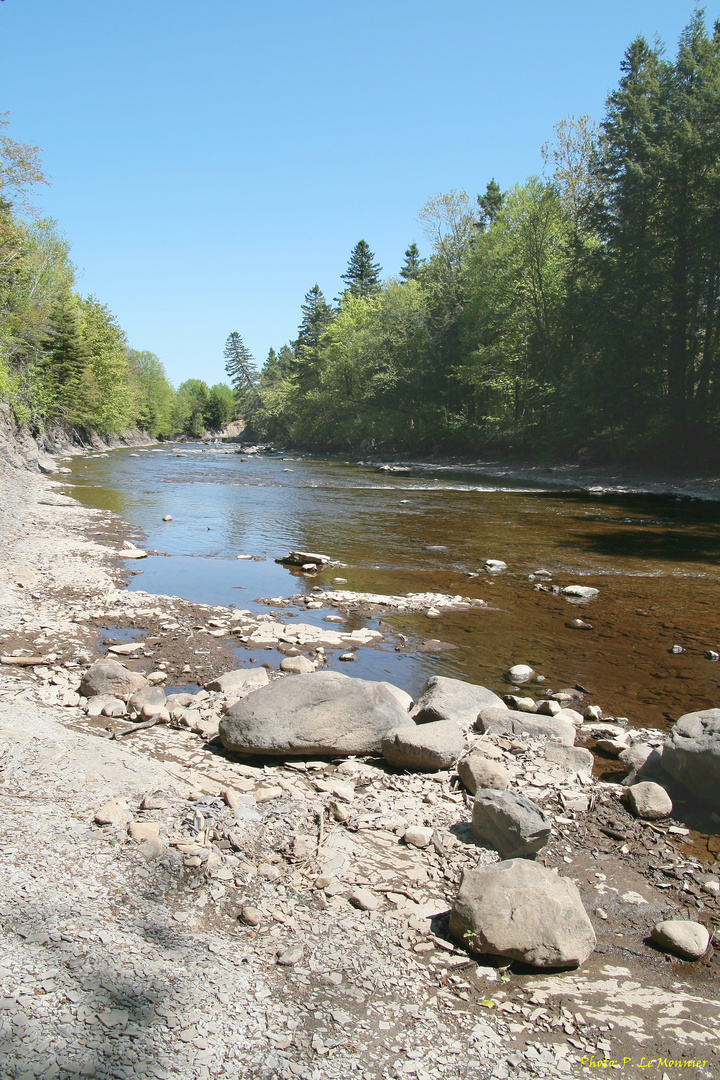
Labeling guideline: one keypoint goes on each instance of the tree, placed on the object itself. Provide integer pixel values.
(239, 365)
(20, 169)
(490, 204)
(154, 396)
(410, 270)
(220, 406)
(362, 275)
(65, 360)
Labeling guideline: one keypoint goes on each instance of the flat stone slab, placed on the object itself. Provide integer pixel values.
(324, 713)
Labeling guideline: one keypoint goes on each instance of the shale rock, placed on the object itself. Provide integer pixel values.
(453, 699)
(239, 681)
(508, 722)
(322, 713)
(573, 759)
(692, 754)
(424, 747)
(509, 823)
(477, 772)
(110, 677)
(522, 911)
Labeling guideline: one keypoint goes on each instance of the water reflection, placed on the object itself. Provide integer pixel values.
(657, 556)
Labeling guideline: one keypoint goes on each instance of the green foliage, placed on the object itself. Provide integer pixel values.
(581, 305)
(220, 407)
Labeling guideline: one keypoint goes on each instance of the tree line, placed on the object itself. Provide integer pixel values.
(579, 308)
(63, 357)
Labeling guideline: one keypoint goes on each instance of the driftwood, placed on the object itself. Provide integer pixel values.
(24, 661)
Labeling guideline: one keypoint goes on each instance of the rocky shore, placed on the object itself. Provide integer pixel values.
(200, 878)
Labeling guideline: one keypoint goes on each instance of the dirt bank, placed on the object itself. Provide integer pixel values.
(126, 958)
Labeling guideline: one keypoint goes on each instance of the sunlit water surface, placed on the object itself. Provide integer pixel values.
(654, 560)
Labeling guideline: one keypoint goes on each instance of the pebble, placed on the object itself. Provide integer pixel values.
(649, 801)
(364, 899)
(143, 830)
(418, 836)
(112, 814)
(291, 956)
(251, 915)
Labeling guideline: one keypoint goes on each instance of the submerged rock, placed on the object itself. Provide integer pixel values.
(522, 911)
(321, 713)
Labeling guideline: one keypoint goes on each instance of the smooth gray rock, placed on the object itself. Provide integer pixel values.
(640, 760)
(148, 701)
(523, 911)
(692, 754)
(650, 801)
(477, 772)
(682, 937)
(424, 747)
(110, 677)
(239, 681)
(509, 823)
(321, 713)
(508, 722)
(574, 759)
(453, 699)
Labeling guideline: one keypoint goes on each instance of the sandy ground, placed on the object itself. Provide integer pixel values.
(125, 957)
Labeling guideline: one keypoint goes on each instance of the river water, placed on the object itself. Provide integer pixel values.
(655, 561)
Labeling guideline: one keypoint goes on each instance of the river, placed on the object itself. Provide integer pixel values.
(654, 560)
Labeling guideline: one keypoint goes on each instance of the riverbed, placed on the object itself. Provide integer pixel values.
(431, 528)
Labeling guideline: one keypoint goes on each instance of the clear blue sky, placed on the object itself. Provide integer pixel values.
(211, 160)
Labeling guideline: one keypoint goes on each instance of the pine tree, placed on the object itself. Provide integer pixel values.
(410, 270)
(66, 360)
(317, 316)
(239, 365)
(490, 203)
(362, 275)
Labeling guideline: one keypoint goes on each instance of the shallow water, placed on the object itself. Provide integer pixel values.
(656, 562)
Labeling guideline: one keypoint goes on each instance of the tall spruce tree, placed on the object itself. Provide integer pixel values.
(410, 270)
(362, 275)
(65, 361)
(239, 365)
(490, 203)
(316, 317)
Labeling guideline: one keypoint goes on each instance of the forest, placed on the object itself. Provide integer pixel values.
(576, 313)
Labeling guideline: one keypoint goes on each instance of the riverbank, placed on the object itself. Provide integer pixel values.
(137, 964)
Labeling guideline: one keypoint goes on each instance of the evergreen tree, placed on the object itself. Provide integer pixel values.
(490, 203)
(316, 317)
(65, 361)
(239, 365)
(410, 270)
(362, 275)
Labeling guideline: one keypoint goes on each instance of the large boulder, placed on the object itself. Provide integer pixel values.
(508, 722)
(692, 754)
(509, 823)
(424, 747)
(110, 677)
(240, 681)
(522, 911)
(321, 713)
(453, 699)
